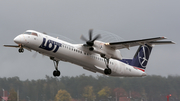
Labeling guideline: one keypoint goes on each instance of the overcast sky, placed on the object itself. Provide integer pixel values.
(129, 19)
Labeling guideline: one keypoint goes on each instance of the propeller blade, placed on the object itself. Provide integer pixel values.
(90, 42)
(83, 38)
(35, 55)
(97, 37)
(44, 33)
(90, 34)
(43, 56)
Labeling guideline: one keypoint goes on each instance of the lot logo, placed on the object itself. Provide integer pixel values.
(50, 45)
(144, 56)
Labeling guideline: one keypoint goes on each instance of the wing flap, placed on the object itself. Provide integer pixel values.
(127, 44)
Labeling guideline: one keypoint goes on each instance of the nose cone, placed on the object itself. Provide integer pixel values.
(17, 39)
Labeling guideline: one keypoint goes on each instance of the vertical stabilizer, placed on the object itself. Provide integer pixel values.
(142, 56)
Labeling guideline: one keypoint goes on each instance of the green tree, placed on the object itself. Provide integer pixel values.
(63, 95)
(105, 92)
(88, 93)
(13, 95)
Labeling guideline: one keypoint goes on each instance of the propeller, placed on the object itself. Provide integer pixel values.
(90, 42)
(35, 55)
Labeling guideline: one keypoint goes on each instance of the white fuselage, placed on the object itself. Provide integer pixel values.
(76, 54)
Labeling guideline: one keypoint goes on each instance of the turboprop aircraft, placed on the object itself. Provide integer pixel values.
(94, 55)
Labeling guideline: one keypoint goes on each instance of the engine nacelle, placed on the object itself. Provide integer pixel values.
(104, 51)
(116, 55)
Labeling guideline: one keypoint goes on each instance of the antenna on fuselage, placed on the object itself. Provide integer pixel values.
(44, 33)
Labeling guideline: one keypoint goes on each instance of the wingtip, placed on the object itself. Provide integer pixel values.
(163, 37)
(5, 45)
(173, 42)
(170, 41)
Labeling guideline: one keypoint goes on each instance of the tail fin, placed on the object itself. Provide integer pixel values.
(141, 57)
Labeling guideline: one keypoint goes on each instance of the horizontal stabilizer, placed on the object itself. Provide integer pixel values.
(161, 42)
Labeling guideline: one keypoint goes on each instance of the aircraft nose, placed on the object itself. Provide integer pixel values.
(17, 39)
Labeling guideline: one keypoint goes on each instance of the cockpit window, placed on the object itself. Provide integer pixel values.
(34, 34)
(27, 32)
(31, 33)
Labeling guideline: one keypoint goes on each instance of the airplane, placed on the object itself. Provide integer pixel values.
(94, 55)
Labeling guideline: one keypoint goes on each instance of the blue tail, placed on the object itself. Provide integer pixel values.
(141, 57)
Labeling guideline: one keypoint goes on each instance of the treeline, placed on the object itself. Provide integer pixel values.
(89, 88)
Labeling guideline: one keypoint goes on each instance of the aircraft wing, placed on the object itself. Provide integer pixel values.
(127, 44)
(16, 46)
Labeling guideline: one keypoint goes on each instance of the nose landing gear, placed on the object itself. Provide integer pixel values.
(21, 49)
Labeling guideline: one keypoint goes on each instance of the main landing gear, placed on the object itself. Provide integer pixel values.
(107, 71)
(55, 72)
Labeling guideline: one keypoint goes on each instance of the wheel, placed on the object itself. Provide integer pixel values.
(56, 73)
(107, 71)
(21, 50)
